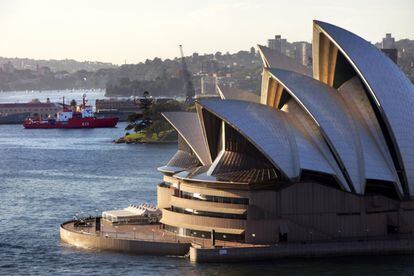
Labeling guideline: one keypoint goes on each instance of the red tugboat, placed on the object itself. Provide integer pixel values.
(82, 117)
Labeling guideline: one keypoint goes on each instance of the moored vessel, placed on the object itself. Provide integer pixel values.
(78, 117)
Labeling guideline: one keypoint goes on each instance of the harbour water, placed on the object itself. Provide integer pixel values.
(53, 95)
(47, 176)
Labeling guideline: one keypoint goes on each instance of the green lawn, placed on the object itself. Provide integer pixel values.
(141, 137)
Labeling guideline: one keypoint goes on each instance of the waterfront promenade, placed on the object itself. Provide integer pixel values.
(151, 239)
(148, 233)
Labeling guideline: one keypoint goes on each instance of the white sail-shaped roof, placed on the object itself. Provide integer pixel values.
(344, 127)
(273, 133)
(387, 86)
(326, 107)
(378, 161)
(275, 59)
(232, 93)
(310, 130)
(189, 128)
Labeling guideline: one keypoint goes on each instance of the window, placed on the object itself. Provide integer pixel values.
(204, 234)
(207, 214)
(219, 199)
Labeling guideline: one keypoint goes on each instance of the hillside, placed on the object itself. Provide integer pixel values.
(160, 77)
(67, 65)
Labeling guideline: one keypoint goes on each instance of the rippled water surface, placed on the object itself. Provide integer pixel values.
(46, 176)
(53, 95)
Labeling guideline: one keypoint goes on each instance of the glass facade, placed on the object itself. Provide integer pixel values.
(204, 234)
(207, 214)
(210, 198)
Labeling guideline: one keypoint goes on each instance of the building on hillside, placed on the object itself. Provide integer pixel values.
(33, 109)
(8, 67)
(209, 66)
(303, 53)
(252, 51)
(389, 48)
(278, 44)
(120, 108)
(388, 42)
(121, 105)
(208, 85)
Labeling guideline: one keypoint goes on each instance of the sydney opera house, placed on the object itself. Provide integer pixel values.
(321, 155)
(320, 164)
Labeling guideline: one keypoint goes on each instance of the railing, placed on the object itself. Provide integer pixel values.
(157, 234)
(139, 232)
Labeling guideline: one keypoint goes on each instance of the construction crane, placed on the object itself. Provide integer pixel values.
(188, 84)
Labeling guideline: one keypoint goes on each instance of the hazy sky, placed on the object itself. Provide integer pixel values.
(135, 30)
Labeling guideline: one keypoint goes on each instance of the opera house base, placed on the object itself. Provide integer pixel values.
(303, 250)
(145, 241)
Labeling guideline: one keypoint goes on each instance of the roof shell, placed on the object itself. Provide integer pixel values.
(378, 161)
(275, 59)
(309, 129)
(188, 126)
(273, 134)
(262, 127)
(390, 89)
(326, 107)
(231, 93)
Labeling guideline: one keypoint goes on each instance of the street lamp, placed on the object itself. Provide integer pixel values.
(153, 234)
(224, 240)
(134, 232)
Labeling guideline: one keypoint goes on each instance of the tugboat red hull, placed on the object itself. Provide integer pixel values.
(89, 122)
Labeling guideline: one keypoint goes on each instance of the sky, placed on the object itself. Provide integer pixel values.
(134, 30)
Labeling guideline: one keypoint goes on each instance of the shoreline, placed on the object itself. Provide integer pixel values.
(141, 138)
